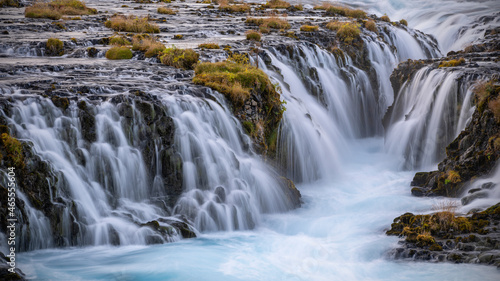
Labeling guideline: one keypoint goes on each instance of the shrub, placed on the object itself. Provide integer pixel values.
(236, 8)
(403, 22)
(119, 53)
(166, 11)
(55, 9)
(370, 25)
(309, 28)
(334, 25)
(271, 22)
(452, 63)
(148, 45)
(179, 58)
(253, 35)
(385, 18)
(209, 46)
(131, 24)
(276, 4)
(348, 32)
(54, 47)
(118, 40)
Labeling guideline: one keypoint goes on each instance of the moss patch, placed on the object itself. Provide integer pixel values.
(179, 58)
(54, 47)
(119, 53)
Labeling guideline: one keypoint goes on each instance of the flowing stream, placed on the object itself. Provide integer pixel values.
(352, 172)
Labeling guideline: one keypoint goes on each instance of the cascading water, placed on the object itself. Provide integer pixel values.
(455, 24)
(225, 187)
(428, 113)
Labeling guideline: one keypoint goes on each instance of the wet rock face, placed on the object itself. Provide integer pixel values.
(443, 237)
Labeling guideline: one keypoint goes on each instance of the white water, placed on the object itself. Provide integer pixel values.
(454, 23)
(337, 235)
(422, 125)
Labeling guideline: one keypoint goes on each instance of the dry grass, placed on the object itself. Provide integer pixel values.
(333, 10)
(55, 9)
(452, 63)
(253, 35)
(166, 11)
(403, 22)
(370, 25)
(270, 22)
(276, 4)
(209, 46)
(334, 25)
(309, 28)
(179, 58)
(494, 106)
(118, 40)
(453, 177)
(233, 8)
(150, 46)
(54, 47)
(131, 24)
(385, 18)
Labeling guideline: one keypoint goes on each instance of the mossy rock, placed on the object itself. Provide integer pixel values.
(119, 53)
(54, 47)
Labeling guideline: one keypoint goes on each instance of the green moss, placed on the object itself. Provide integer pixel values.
(435, 247)
(179, 58)
(13, 149)
(62, 103)
(119, 53)
(118, 40)
(54, 47)
(249, 127)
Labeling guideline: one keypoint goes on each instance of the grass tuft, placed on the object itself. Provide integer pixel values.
(131, 24)
(55, 9)
(270, 22)
(179, 58)
(150, 46)
(166, 11)
(209, 46)
(119, 53)
(370, 25)
(253, 35)
(309, 28)
(452, 63)
(54, 47)
(276, 4)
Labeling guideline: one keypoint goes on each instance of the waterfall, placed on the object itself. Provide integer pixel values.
(430, 110)
(329, 100)
(226, 188)
(107, 192)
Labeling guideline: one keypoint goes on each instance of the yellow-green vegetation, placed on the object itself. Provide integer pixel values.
(423, 230)
(370, 25)
(332, 10)
(453, 177)
(452, 63)
(209, 46)
(253, 35)
(309, 28)
(403, 22)
(334, 25)
(235, 78)
(486, 92)
(118, 40)
(150, 46)
(8, 3)
(276, 4)
(233, 8)
(13, 150)
(270, 22)
(178, 36)
(131, 24)
(56, 8)
(494, 106)
(54, 47)
(119, 53)
(166, 11)
(59, 25)
(385, 18)
(339, 55)
(348, 32)
(179, 58)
